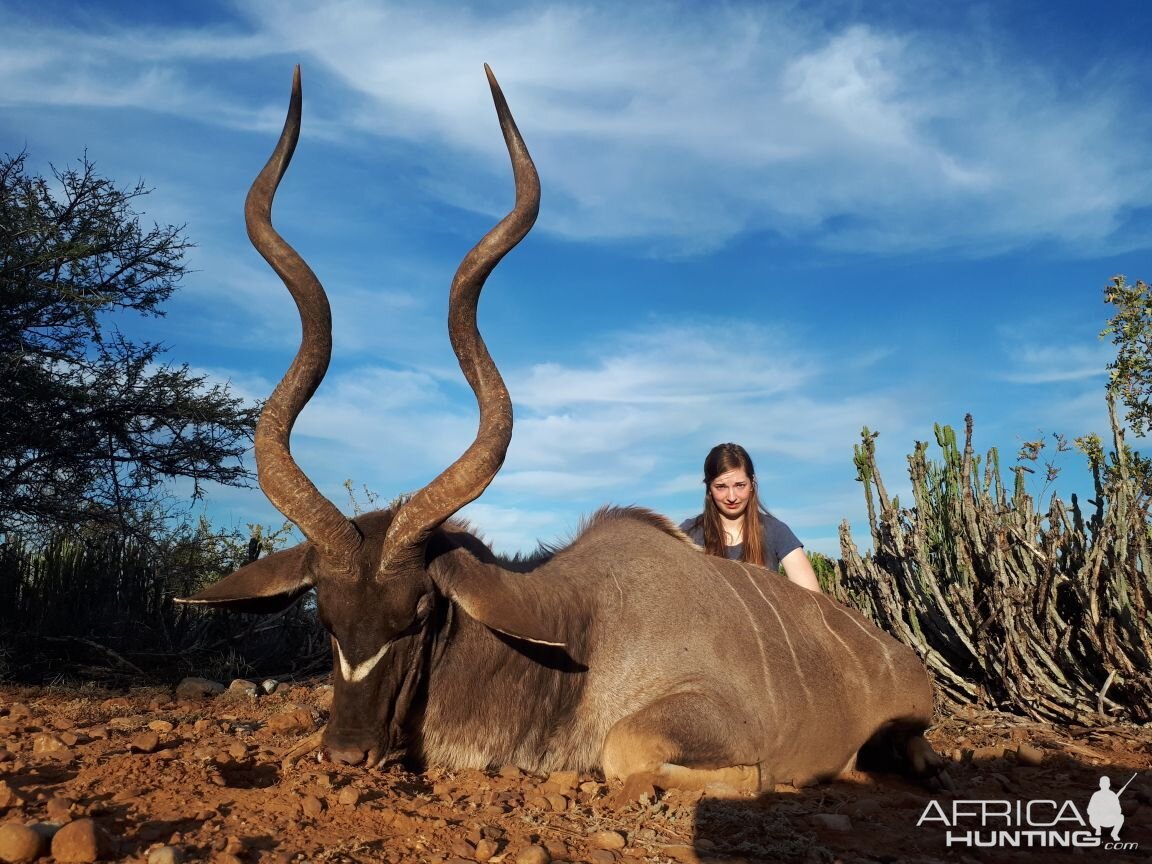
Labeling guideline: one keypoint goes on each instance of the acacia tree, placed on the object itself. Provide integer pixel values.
(93, 424)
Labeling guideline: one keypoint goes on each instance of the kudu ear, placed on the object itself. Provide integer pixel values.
(509, 603)
(267, 585)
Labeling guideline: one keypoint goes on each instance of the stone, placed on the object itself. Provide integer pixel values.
(59, 809)
(607, 840)
(80, 842)
(486, 849)
(563, 781)
(198, 688)
(601, 856)
(268, 686)
(244, 689)
(349, 796)
(988, 754)
(46, 742)
(681, 852)
(312, 806)
(8, 795)
(20, 844)
(145, 742)
(161, 726)
(294, 722)
(533, 855)
(166, 855)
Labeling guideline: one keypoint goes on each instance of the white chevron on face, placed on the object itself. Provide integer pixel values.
(354, 674)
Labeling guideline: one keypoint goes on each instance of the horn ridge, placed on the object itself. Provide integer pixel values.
(285, 484)
(466, 478)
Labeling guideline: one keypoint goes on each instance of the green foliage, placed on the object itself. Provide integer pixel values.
(825, 568)
(1045, 613)
(1131, 332)
(98, 605)
(94, 424)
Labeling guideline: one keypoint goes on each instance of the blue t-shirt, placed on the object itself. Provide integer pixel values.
(778, 539)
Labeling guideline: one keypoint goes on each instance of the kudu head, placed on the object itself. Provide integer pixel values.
(373, 590)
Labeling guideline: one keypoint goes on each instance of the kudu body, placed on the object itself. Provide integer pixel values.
(628, 650)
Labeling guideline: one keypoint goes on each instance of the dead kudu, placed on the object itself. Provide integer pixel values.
(629, 650)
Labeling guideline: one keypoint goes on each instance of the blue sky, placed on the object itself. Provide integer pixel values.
(772, 223)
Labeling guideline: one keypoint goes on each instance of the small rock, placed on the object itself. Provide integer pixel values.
(607, 840)
(294, 722)
(486, 849)
(18, 709)
(533, 855)
(46, 742)
(59, 809)
(166, 855)
(8, 796)
(832, 821)
(601, 856)
(681, 852)
(987, 754)
(268, 686)
(198, 688)
(349, 796)
(1030, 755)
(243, 688)
(19, 844)
(312, 806)
(161, 726)
(563, 781)
(556, 802)
(145, 742)
(80, 842)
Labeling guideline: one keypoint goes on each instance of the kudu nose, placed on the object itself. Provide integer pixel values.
(347, 755)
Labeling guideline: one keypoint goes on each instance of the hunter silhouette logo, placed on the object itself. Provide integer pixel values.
(1042, 823)
(1104, 808)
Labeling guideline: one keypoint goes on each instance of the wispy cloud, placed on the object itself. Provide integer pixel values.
(860, 136)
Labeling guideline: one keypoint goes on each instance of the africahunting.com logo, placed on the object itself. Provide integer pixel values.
(1043, 823)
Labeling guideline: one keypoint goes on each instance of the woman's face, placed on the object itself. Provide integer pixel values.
(730, 492)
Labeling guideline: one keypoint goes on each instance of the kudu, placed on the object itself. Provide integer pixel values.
(629, 650)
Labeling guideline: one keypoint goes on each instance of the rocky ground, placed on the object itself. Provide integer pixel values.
(144, 776)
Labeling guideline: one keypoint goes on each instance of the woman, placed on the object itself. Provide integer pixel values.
(735, 524)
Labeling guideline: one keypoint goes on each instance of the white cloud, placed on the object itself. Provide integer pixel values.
(1040, 364)
(862, 136)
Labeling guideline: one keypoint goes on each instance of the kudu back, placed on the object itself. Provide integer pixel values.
(629, 650)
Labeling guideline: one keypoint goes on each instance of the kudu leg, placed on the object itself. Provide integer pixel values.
(678, 742)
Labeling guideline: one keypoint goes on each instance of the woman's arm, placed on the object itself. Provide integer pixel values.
(798, 569)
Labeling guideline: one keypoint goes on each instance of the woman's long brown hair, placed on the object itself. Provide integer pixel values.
(720, 460)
